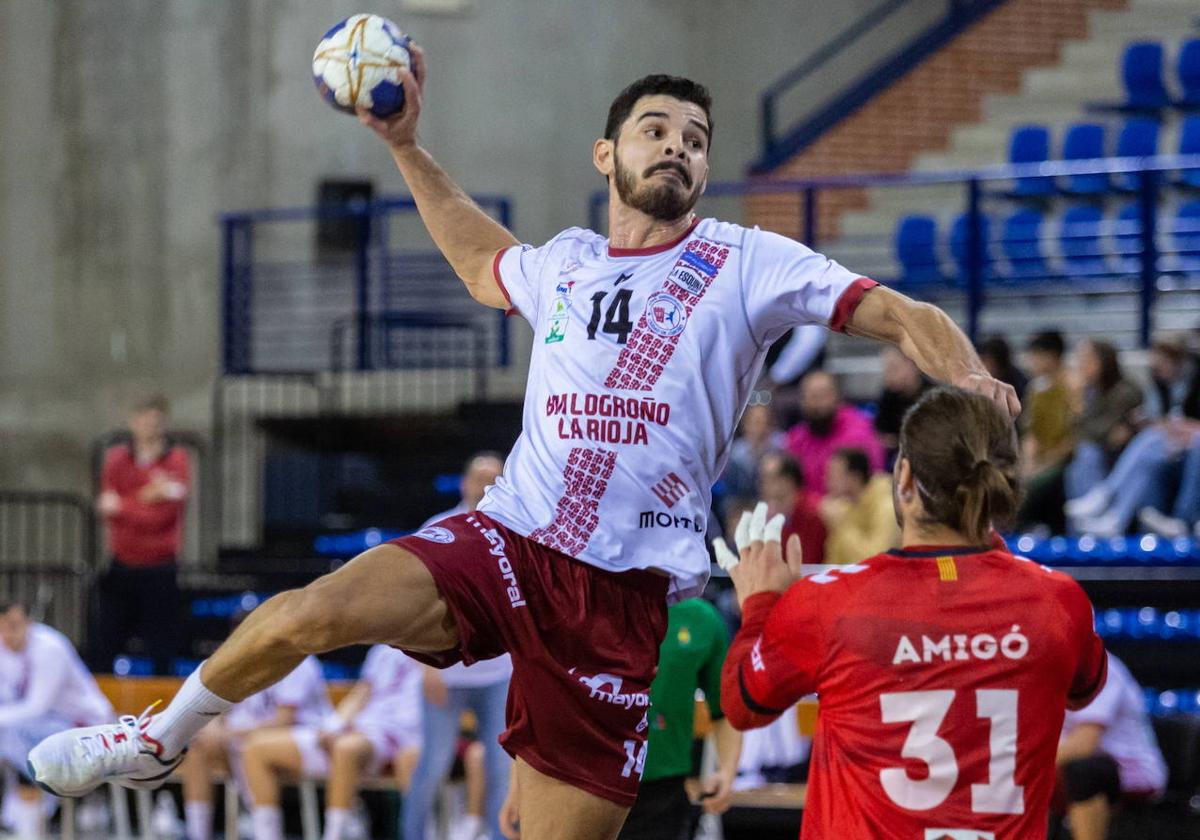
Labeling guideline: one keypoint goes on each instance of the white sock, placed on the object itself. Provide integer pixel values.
(189, 712)
(335, 823)
(27, 818)
(268, 822)
(198, 817)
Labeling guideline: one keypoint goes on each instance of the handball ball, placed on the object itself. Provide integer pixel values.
(358, 62)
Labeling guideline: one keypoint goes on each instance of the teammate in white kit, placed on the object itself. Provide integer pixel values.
(299, 699)
(376, 724)
(646, 346)
(44, 686)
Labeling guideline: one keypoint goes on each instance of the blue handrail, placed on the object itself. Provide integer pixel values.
(776, 148)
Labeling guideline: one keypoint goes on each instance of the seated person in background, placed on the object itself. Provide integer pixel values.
(775, 754)
(903, 384)
(1048, 439)
(47, 687)
(1107, 753)
(377, 723)
(996, 356)
(857, 509)
(829, 424)
(1141, 476)
(300, 699)
(1105, 415)
(757, 435)
(781, 486)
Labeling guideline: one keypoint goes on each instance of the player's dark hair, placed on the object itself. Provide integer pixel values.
(856, 462)
(963, 454)
(654, 85)
(1048, 341)
(7, 604)
(789, 467)
(1110, 364)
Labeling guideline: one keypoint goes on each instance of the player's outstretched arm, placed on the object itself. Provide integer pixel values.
(936, 345)
(468, 237)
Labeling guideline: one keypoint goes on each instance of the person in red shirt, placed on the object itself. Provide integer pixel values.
(143, 492)
(943, 668)
(781, 486)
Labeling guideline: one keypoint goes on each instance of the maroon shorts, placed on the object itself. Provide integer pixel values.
(584, 645)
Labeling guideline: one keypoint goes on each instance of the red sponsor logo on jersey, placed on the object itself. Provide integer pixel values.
(670, 489)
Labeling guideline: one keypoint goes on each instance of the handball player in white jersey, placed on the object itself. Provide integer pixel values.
(646, 346)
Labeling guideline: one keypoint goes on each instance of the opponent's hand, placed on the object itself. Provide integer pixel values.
(401, 129)
(760, 566)
(1001, 393)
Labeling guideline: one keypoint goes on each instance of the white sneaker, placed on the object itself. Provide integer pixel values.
(1091, 504)
(77, 761)
(1161, 524)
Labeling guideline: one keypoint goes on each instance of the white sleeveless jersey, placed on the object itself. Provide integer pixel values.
(643, 360)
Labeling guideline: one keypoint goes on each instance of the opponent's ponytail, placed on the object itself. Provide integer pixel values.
(963, 454)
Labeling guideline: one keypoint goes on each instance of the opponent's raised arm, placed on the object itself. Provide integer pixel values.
(936, 345)
(468, 237)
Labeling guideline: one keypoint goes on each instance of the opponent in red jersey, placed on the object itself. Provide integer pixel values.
(943, 668)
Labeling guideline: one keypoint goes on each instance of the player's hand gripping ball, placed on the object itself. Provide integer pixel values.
(358, 64)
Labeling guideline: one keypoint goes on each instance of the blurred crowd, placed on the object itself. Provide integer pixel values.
(1105, 451)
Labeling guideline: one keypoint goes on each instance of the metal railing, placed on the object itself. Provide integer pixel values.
(844, 92)
(282, 295)
(1141, 264)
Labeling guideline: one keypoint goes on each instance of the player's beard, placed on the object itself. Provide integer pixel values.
(663, 201)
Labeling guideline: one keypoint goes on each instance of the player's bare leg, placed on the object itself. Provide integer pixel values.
(403, 767)
(474, 778)
(206, 755)
(267, 755)
(1089, 818)
(348, 756)
(551, 809)
(385, 595)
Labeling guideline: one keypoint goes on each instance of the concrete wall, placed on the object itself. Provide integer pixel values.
(127, 125)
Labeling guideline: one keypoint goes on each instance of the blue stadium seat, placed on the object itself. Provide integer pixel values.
(1138, 138)
(1189, 144)
(1188, 70)
(916, 249)
(1022, 245)
(1079, 241)
(1185, 235)
(1030, 144)
(1142, 75)
(958, 245)
(1084, 141)
(1127, 237)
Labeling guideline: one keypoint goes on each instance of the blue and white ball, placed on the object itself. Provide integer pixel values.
(358, 63)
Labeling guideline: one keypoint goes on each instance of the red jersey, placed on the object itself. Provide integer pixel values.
(943, 676)
(146, 533)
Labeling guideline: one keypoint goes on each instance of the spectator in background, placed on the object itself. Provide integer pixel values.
(829, 424)
(144, 488)
(482, 688)
(757, 435)
(1048, 439)
(1105, 416)
(996, 356)
(1108, 753)
(47, 687)
(690, 658)
(857, 509)
(781, 486)
(300, 699)
(1140, 477)
(903, 384)
(378, 723)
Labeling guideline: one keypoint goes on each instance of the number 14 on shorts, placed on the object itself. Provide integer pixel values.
(635, 758)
